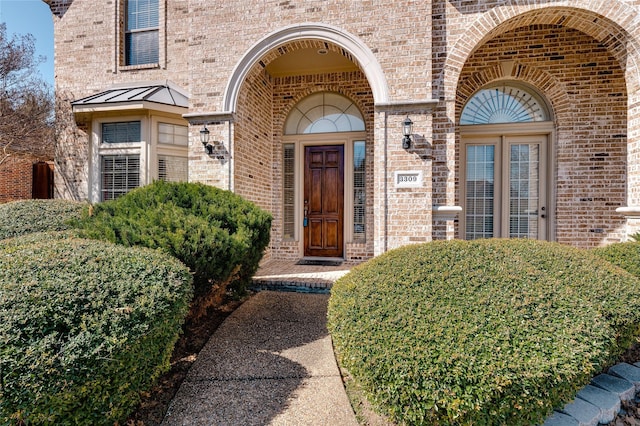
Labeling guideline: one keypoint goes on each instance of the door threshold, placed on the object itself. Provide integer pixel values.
(320, 261)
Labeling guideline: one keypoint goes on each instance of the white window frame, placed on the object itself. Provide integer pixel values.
(156, 148)
(127, 32)
(148, 148)
(473, 134)
(121, 191)
(119, 46)
(100, 148)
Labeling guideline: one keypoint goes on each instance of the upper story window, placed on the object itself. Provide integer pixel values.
(142, 32)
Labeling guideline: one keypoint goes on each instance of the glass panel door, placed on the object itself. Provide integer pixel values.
(524, 177)
(505, 187)
(480, 195)
(526, 188)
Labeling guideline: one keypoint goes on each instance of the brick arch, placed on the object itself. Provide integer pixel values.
(587, 91)
(552, 90)
(302, 36)
(611, 22)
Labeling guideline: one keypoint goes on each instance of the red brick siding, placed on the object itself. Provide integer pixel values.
(16, 176)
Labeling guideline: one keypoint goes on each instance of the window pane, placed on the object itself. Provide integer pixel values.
(503, 104)
(324, 113)
(121, 132)
(524, 175)
(289, 191)
(120, 174)
(142, 28)
(479, 191)
(172, 169)
(359, 191)
(173, 134)
(142, 14)
(142, 48)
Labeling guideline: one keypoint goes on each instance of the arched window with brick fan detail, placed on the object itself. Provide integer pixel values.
(505, 103)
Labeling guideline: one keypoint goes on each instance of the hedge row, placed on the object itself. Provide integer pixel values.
(85, 326)
(481, 332)
(624, 255)
(212, 231)
(29, 216)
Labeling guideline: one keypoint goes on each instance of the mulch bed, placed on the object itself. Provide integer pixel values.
(155, 403)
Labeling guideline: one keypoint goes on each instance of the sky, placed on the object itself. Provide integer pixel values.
(31, 17)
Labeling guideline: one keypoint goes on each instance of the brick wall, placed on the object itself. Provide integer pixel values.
(89, 59)
(16, 177)
(253, 142)
(586, 89)
(581, 55)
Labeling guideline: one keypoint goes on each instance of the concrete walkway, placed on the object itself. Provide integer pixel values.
(270, 363)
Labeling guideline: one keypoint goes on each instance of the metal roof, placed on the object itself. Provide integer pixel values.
(166, 94)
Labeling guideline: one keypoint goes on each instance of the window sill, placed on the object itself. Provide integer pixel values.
(446, 212)
(631, 212)
(139, 67)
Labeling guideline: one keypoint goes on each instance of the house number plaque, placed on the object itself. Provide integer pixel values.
(408, 179)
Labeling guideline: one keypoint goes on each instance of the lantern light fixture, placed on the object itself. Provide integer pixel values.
(204, 138)
(407, 131)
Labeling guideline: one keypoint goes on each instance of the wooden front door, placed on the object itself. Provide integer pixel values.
(324, 201)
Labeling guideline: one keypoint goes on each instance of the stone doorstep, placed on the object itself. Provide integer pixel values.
(291, 285)
(600, 401)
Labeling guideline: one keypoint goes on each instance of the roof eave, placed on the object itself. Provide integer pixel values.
(128, 106)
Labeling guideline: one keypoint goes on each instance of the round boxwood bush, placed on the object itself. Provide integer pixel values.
(214, 232)
(25, 217)
(85, 327)
(624, 255)
(481, 332)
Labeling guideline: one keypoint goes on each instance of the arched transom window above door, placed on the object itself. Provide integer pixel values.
(324, 112)
(505, 103)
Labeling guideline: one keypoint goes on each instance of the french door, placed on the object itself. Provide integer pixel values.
(505, 187)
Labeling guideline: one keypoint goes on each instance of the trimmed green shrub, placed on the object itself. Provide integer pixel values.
(624, 255)
(25, 217)
(85, 326)
(212, 231)
(481, 332)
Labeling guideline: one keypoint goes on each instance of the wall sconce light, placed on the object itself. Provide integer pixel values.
(407, 131)
(204, 138)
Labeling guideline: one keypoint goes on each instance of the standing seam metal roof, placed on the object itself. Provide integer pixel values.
(162, 94)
